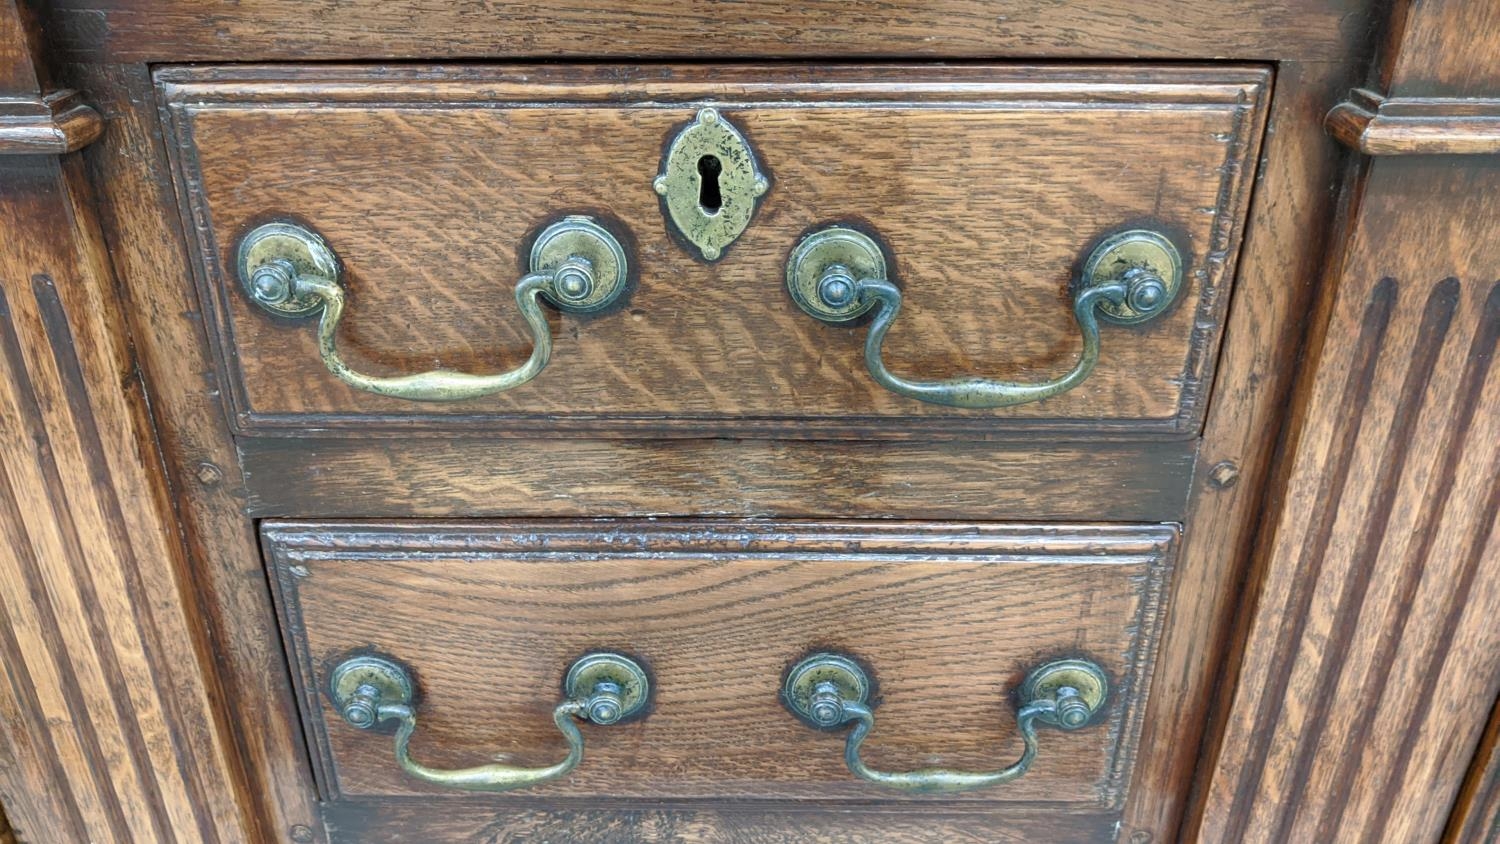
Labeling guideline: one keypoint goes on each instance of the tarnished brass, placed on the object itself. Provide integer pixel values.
(829, 690)
(710, 183)
(605, 688)
(1133, 255)
(576, 264)
(837, 274)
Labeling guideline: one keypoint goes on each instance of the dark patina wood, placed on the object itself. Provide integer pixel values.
(1351, 697)
(984, 230)
(453, 478)
(949, 618)
(1369, 671)
(1025, 477)
(107, 716)
(138, 31)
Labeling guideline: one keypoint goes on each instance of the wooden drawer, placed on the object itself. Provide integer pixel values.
(986, 188)
(948, 619)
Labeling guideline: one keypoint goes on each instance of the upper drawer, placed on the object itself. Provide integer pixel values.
(983, 190)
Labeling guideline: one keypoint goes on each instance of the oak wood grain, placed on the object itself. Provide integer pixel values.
(443, 479)
(1476, 812)
(1424, 61)
(1281, 262)
(429, 191)
(473, 477)
(108, 725)
(391, 821)
(53, 123)
(281, 30)
(1369, 669)
(1357, 625)
(137, 215)
(489, 615)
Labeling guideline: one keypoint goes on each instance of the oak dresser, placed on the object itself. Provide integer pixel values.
(750, 421)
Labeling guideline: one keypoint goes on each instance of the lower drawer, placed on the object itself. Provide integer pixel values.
(945, 621)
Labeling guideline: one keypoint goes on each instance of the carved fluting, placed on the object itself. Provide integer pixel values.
(106, 731)
(1355, 656)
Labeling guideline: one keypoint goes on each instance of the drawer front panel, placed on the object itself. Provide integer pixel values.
(986, 188)
(948, 619)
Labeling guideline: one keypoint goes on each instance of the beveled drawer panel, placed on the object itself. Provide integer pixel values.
(986, 188)
(947, 618)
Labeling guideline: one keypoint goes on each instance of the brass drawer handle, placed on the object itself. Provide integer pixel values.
(828, 690)
(604, 688)
(837, 274)
(575, 263)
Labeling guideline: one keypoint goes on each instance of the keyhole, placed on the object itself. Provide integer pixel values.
(709, 198)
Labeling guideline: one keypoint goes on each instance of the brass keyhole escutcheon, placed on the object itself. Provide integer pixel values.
(710, 183)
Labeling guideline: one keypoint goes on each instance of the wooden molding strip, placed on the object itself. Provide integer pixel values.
(1377, 125)
(55, 124)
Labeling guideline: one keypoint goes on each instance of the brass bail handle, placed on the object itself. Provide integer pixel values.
(829, 690)
(576, 265)
(837, 274)
(604, 688)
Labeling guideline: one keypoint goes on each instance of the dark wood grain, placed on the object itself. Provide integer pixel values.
(472, 477)
(1476, 812)
(489, 615)
(108, 729)
(50, 124)
(1281, 261)
(1370, 662)
(1423, 61)
(457, 478)
(429, 190)
(148, 697)
(224, 571)
(1368, 667)
(392, 821)
(280, 30)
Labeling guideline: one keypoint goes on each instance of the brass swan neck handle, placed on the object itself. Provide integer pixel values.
(838, 274)
(576, 265)
(603, 687)
(829, 690)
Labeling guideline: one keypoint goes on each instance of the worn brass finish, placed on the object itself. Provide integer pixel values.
(616, 686)
(824, 269)
(829, 690)
(810, 683)
(361, 684)
(604, 687)
(836, 274)
(1137, 253)
(587, 263)
(576, 265)
(272, 256)
(710, 216)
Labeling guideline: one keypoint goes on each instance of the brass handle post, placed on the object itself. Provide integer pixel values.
(838, 274)
(604, 688)
(828, 691)
(576, 264)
